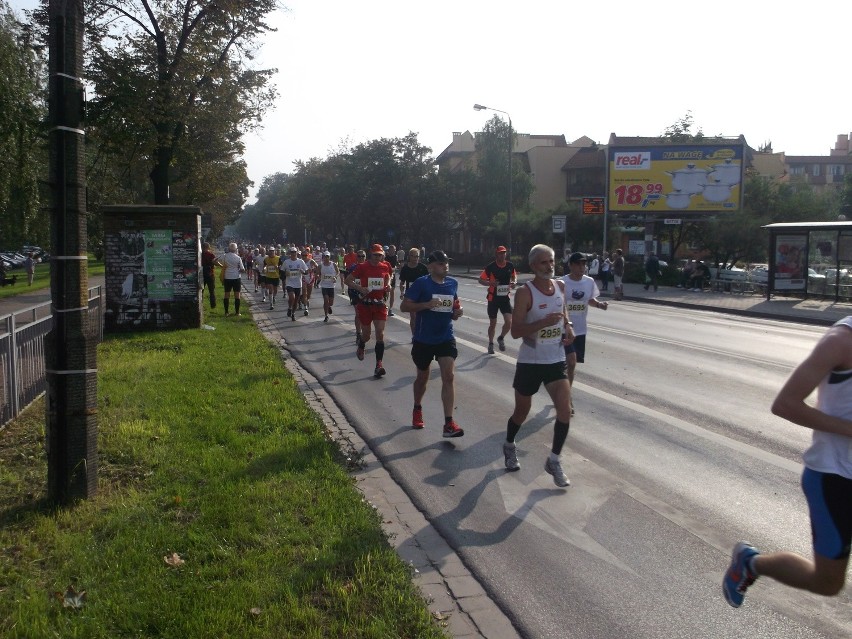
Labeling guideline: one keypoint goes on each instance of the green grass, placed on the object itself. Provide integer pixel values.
(208, 450)
(41, 279)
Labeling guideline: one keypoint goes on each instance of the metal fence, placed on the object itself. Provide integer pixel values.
(22, 376)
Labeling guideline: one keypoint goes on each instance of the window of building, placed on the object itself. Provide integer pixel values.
(797, 170)
(816, 170)
(835, 169)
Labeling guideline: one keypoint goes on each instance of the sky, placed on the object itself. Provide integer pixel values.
(354, 71)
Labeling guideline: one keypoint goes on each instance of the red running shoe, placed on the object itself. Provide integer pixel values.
(417, 418)
(360, 353)
(452, 429)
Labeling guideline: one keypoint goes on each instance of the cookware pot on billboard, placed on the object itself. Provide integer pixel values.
(686, 178)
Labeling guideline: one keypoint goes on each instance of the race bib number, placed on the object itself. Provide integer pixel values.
(502, 290)
(375, 283)
(576, 308)
(293, 274)
(271, 269)
(550, 334)
(328, 279)
(445, 303)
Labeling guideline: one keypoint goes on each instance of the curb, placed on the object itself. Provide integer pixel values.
(457, 601)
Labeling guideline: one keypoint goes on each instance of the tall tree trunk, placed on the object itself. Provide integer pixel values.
(70, 355)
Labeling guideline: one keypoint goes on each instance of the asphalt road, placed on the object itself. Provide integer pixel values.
(673, 457)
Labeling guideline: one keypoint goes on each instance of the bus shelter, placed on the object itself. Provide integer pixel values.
(813, 259)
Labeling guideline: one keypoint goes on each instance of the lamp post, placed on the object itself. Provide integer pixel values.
(480, 107)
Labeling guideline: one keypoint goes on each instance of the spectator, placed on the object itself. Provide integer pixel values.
(29, 267)
(618, 274)
(652, 272)
(700, 275)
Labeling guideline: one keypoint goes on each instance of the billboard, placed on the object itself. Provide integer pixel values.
(682, 178)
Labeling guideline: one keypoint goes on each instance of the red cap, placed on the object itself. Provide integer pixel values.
(500, 249)
(377, 248)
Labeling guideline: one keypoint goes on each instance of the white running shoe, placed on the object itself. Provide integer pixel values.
(555, 468)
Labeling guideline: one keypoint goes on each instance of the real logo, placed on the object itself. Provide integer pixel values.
(634, 160)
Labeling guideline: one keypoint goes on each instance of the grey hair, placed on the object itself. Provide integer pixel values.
(232, 247)
(537, 250)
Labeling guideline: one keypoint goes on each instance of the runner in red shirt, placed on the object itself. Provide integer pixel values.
(372, 280)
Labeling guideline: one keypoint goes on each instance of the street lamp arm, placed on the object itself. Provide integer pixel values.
(482, 107)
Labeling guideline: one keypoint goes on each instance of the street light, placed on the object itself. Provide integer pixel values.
(480, 107)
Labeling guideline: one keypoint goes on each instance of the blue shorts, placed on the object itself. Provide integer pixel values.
(831, 512)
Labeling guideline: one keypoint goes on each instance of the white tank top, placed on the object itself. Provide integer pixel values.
(830, 452)
(544, 346)
(328, 276)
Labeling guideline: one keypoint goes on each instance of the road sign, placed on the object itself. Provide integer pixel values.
(558, 223)
(594, 205)
(672, 220)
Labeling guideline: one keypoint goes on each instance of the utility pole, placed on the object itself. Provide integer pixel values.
(70, 347)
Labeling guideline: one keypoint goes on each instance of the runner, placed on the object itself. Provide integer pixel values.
(539, 319)
(292, 269)
(372, 280)
(434, 300)
(271, 276)
(308, 280)
(581, 292)
(259, 276)
(328, 274)
(354, 295)
(500, 277)
(408, 273)
(390, 258)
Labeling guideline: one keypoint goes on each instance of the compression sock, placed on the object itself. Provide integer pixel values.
(511, 430)
(380, 351)
(560, 434)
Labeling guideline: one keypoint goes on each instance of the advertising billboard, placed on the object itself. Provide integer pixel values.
(681, 178)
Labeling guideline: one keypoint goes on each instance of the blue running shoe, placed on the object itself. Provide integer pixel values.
(739, 575)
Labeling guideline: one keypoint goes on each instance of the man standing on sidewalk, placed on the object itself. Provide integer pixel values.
(652, 272)
(500, 277)
(207, 260)
(618, 275)
(826, 480)
(434, 299)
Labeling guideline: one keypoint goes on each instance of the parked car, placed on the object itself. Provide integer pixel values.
(831, 276)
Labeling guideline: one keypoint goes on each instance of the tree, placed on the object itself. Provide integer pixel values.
(23, 158)
(174, 92)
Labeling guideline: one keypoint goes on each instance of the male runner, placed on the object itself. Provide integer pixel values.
(328, 274)
(292, 270)
(581, 292)
(826, 480)
(271, 275)
(372, 280)
(539, 319)
(435, 301)
(500, 277)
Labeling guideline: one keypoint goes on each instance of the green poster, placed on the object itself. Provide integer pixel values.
(159, 264)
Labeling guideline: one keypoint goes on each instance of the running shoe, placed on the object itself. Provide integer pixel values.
(289, 312)
(391, 313)
(417, 418)
(380, 370)
(326, 319)
(330, 311)
(739, 575)
(510, 454)
(452, 429)
(306, 312)
(360, 353)
(272, 307)
(490, 348)
(293, 317)
(501, 343)
(555, 468)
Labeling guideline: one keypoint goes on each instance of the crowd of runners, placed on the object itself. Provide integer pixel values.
(549, 318)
